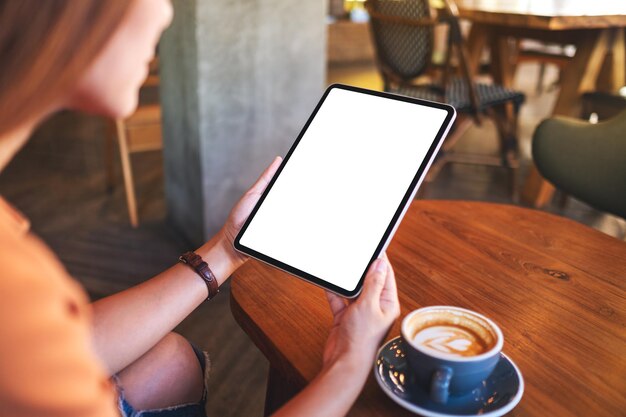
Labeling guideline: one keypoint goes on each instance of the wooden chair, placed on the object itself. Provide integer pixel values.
(402, 32)
(141, 132)
(542, 53)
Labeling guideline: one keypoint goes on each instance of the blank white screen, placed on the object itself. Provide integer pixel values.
(338, 192)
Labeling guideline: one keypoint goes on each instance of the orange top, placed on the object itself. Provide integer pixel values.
(47, 364)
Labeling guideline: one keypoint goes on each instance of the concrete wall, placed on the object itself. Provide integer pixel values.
(238, 81)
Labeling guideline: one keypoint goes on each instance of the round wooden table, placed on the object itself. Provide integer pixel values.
(555, 287)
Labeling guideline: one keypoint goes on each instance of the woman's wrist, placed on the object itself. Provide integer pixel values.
(352, 363)
(221, 256)
(350, 371)
(332, 392)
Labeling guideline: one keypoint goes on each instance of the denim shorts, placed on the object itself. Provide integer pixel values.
(183, 410)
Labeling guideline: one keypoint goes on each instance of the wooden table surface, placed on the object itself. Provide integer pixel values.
(556, 288)
(596, 28)
(546, 14)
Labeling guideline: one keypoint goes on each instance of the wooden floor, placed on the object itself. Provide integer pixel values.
(58, 182)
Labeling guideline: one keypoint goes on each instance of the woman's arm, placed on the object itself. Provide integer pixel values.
(129, 323)
(358, 329)
(331, 393)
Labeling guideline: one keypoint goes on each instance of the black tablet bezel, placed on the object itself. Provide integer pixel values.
(397, 215)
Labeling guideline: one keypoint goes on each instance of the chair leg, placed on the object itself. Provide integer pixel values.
(514, 185)
(131, 200)
(542, 73)
(421, 193)
(109, 138)
(563, 199)
(514, 126)
(506, 119)
(435, 168)
(460, 127)
(506, 123)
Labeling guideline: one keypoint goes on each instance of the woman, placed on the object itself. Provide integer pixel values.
(60, 356)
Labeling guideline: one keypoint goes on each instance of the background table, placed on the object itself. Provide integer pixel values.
(556, 288)
(594, 27)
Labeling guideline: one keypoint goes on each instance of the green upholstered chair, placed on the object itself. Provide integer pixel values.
(587, 161)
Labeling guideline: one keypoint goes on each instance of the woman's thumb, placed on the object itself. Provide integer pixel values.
(375, 280)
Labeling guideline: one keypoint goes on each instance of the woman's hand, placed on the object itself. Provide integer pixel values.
(359, 326)
(244, 206)
(358, 329)
(219, 252)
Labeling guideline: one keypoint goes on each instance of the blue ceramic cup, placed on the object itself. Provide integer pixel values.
(450, 350)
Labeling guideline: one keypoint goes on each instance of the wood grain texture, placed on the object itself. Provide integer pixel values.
(556, 288)
(551, 15)
(543, 22)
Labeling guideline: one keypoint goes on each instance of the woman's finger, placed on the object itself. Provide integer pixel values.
(390, 281)
(337, 304)
(389, 294)
(242, 209)
(374, 281)
(265, 178)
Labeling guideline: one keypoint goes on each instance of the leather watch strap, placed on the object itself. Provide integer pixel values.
(196, 263)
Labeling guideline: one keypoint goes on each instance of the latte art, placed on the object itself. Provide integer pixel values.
(450, 340)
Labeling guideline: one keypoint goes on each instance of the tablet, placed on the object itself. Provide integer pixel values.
(337, 198)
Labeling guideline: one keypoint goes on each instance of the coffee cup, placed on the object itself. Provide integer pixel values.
(450, 350)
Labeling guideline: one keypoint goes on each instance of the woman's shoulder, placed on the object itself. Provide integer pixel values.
(31, 272)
